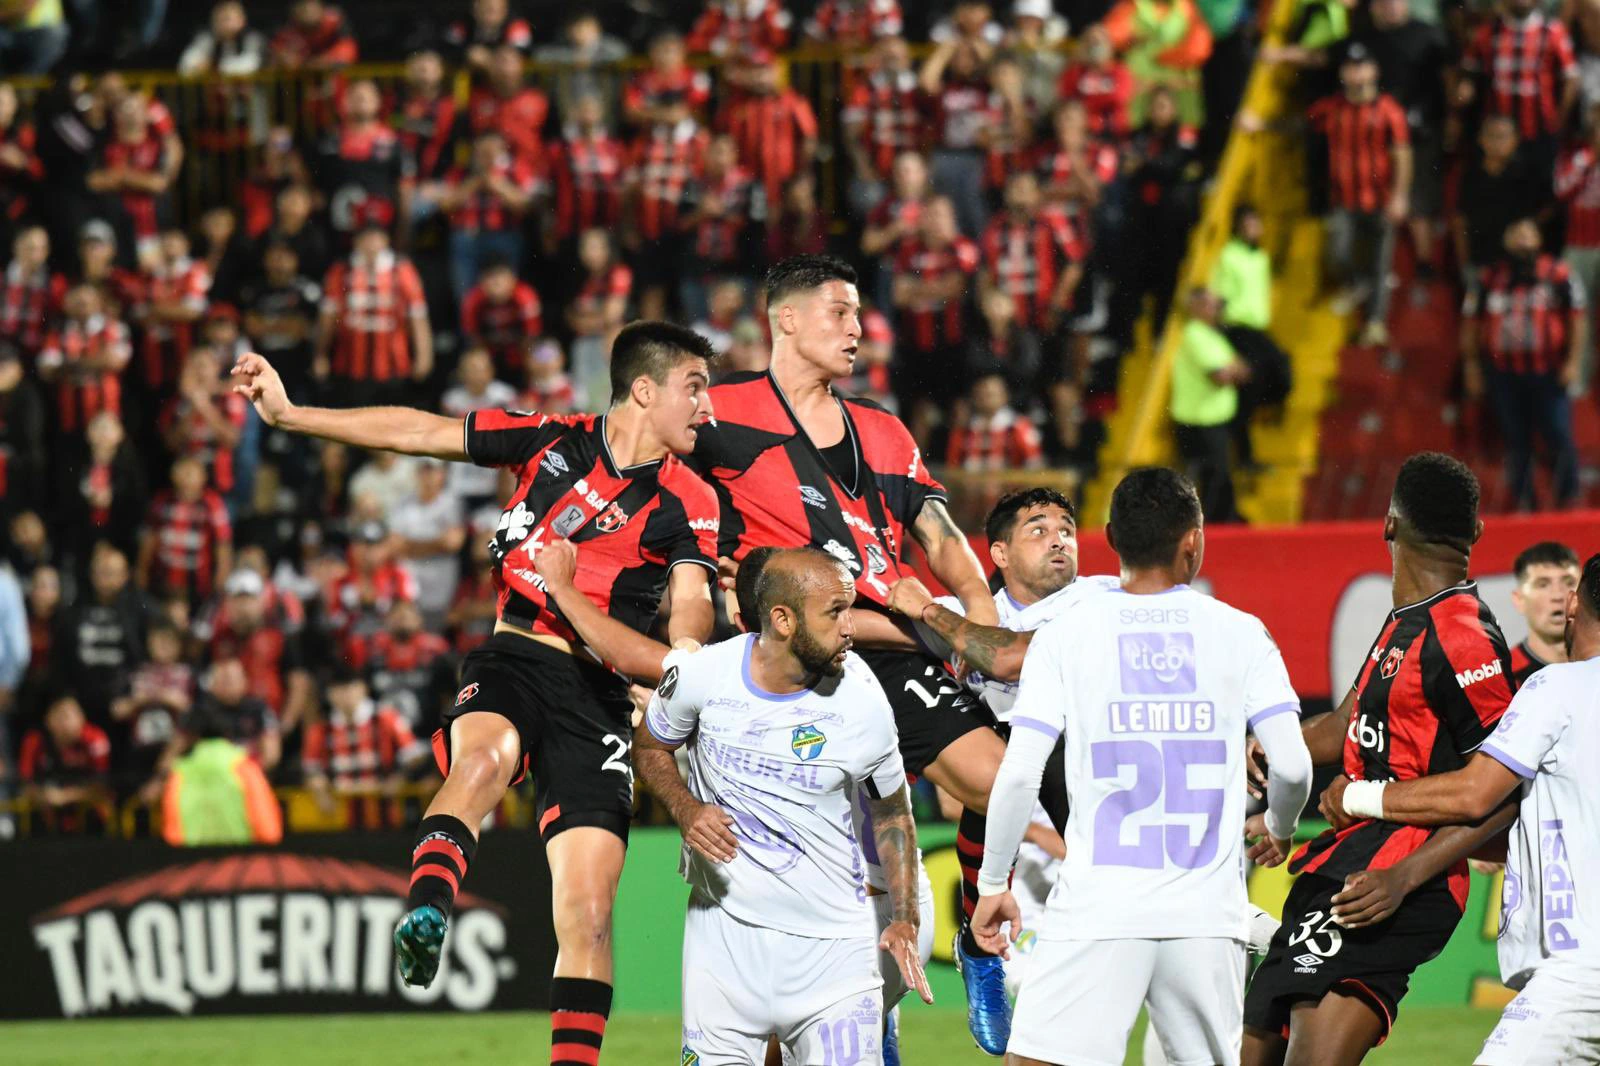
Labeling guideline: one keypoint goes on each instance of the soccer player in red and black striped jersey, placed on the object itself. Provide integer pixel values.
(795, 464)
(535, 699)
(1546, 572)
(1431, 690)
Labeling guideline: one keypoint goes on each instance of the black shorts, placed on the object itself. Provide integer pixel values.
(576, 724)
(1311, 956)
(932, 709)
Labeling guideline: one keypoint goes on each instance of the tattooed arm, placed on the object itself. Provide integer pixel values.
(991, 650)
(896, 836)
(952, 560)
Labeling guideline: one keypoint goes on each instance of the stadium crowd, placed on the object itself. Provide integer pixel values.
(1016, 182)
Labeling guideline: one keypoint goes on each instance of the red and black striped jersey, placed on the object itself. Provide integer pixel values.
(146, 158)
(486, 211)
(188, 535)
(1026, 259)
(653, 87)
(855, 23)
(660, 166)
(1525, 315)
(505, 327)
(630, 525)
(1523, 65)
(374, 305)
(1361, 143)
(1055, 165)
(776, 487)
(29, 304)
(737, 27)
(1578, 186)
(1432, 689)
(426, 128)
(359, 750)
(717, 236)
(167, 342)
(963, 111)
(328, 43)
(930, 324)
(1106, 93)
(1524, 664)
(81, 391)
(1003, 441)
(587, 174)
(470, 33)
(189, 432)
(770, 131)
(887, 112)
(519, 118)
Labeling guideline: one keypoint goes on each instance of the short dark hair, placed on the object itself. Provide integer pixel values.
(1008, 508)
(802, 273)
(784, 581)
(1544, 553)
(744, 585)
(1151, 511)
(1589, 585)
(1437, 495)
(652, 349)
(1242, 211)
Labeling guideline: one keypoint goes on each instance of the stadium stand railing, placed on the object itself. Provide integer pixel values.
(1262, 164)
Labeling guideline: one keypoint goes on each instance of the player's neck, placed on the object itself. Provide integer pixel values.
(1585, 643)
(1420, 574)
(1149, 580)
(630, 439)
(802, 382)
(1547, 651)
(775, 670)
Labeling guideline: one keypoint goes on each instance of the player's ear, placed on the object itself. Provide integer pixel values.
(644, 390)
(1477, 530)
(997, 553)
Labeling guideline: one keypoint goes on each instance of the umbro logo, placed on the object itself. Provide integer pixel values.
(555, 462)
(1307, 963)
(813, 496)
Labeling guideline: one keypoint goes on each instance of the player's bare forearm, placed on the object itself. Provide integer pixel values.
(874, 629)
(1465, 795)
(895, 833)
(693, 612)
(991, 650)
(657, 768)
(1324, 733)
(396, 429)
(1449, 845)
(953, 562)
(626, 649)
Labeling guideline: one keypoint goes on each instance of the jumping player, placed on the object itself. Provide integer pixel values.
(534, 699)
(783, 729)
(795, 464)
(1429, 693)
(1152, 686)
(1545, 573)
(1543, 752)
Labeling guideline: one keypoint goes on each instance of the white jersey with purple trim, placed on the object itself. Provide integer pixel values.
(1550, 737)
(999, 696)
(1154, 695)
(787, 768)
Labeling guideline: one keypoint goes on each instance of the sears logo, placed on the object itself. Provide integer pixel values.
(1492, 668)
(555, 462)
(813, 497)
(1156, 663)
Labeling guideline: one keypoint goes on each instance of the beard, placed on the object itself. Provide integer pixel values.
(1046, 580)
(816, 657)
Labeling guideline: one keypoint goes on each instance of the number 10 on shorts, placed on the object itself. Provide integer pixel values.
(1161, 775)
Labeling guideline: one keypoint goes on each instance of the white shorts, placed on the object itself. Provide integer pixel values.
(1082, 997)
(894, 986)
(1554, 1021)
(822, 999)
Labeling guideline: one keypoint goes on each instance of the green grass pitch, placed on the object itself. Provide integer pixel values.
(1446, 1036)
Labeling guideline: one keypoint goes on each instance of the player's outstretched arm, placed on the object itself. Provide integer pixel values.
(671, 719)
(692, 615)
(626, 649)
(396, 429)
(895, 833)
(1469, 794)
(1371, 896)
(953, 562)
(993, 651)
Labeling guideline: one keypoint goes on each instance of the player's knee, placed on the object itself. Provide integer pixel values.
(483, 770)
(584, 924)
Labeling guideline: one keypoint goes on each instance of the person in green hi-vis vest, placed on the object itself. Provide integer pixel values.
(1205, 397)
(218, 794)
(1162, 42)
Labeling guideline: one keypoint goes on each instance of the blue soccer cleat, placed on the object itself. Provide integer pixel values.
(891, 1039)
(417, 940)
(988, 1010)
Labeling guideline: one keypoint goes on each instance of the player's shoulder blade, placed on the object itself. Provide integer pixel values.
(1462, 620)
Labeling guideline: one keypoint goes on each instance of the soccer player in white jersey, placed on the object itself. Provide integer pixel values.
(1152, 687)
(1546, 749)
(782, 729)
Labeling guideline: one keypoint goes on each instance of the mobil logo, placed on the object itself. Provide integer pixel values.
(1156, 663)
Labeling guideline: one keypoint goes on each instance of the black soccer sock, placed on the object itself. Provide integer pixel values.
(439, 862)
(578, 1012)
(969, 852)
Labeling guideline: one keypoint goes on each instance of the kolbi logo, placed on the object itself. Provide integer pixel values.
(1157, 663)
(259, 926)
